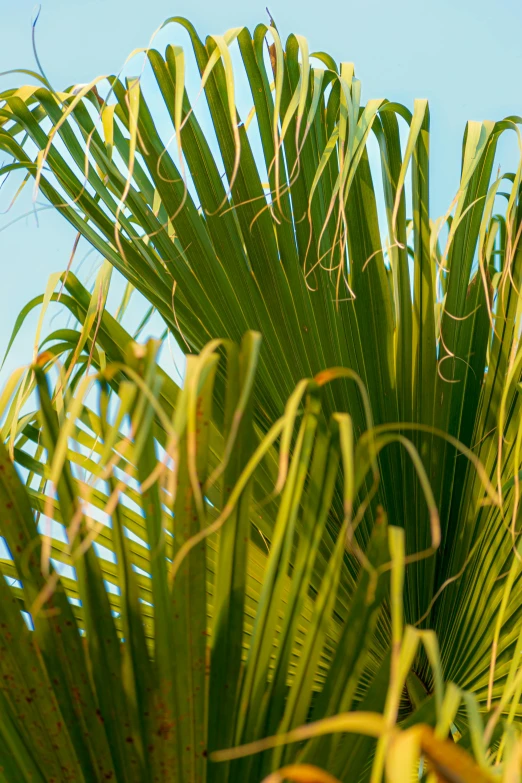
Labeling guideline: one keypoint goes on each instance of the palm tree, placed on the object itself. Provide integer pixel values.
(290, 242)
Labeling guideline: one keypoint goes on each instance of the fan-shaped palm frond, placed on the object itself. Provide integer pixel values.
(195, 636)
(290, 241)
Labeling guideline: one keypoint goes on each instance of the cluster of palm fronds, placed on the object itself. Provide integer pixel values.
(251, 502)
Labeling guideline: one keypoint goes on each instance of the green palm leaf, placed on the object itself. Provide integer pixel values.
(150, 708)
(338, 265)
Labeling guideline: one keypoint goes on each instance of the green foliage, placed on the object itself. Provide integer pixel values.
(241, 637)
(217, 638)
(422, 329)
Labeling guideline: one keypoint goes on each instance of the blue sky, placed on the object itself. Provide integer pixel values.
(463, 55)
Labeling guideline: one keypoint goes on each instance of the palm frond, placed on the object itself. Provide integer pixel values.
(339, 265)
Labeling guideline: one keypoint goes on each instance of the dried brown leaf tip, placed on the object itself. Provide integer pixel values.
(273, 59)
(448, 762)
(43, 358)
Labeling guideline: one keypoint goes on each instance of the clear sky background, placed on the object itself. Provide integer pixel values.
(463, 55)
